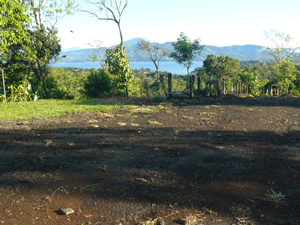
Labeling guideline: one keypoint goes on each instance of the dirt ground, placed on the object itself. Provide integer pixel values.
(227, 160)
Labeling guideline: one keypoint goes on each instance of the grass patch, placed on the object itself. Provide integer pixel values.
(51, 107)
(160, 107)
(153, 122)
(140, 110)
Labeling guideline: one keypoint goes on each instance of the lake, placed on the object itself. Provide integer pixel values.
(169, 66)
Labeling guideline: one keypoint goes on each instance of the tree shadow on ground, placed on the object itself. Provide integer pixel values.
(235, 174)
(217, 100)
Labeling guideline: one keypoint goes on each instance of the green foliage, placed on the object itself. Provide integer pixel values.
(67, 83)
(287, 74)
(98, 84)
(254, 80)
(2, 98)
(118, 65)
(280, 46)
(186, 50)
(49, 12)
(21, 92)
(224, 67)
(136, 88)
(45, 47)
(13, 20)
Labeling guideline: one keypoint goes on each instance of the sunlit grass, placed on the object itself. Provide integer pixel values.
(51, 107)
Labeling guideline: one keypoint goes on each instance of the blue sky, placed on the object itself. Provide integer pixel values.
(216, 22)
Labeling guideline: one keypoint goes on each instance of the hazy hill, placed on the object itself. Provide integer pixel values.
(242, 53)
(71, 49)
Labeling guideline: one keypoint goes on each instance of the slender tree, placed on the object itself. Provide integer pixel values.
(114, 10)
(44, 42)
(119, 67)
(154, 51)
(186, 50)
(280, 46)
(99, 52)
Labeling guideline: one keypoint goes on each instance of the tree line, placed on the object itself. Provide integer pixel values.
(29, 43)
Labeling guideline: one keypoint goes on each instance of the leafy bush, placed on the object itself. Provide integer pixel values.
(136, 88)
(98, 84)
(119, 67)
(2, 98)
(66, 83)
(21, 92)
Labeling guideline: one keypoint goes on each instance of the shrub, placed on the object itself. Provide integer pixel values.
(66, 83)
(21, 92)
(98, 84)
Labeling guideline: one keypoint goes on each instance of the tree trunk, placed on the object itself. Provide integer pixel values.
(271, 92)
(163, 84)
(170, 83)
(4, 86)
(241, 88)
(218, 87)
(127, 93)
(192, 78)
(121, 37)
(188, 69)
(198, 85)
(147, 89)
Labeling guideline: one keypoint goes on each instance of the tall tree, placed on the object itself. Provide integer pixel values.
(48, 13)
(223, 67)
(155, 52)
(114, 10)
(287, 74)
(13, 21)
(280, 46)
(46, 47)
(119, 67)
(44, 42)
(186, 50)
(212, 69)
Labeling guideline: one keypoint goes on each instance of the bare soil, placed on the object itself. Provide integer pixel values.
(228, 160)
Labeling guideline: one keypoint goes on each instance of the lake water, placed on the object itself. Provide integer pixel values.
(169, 66)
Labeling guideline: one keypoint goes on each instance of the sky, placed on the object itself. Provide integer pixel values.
(216, 22)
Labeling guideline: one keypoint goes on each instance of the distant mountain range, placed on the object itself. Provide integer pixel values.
(71, 49)
(241, 53)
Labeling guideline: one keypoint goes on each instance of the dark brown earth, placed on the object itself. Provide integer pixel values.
(222, 161)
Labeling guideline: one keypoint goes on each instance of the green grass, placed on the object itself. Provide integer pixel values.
(141, 110)
(52, 107)
(153, 122)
